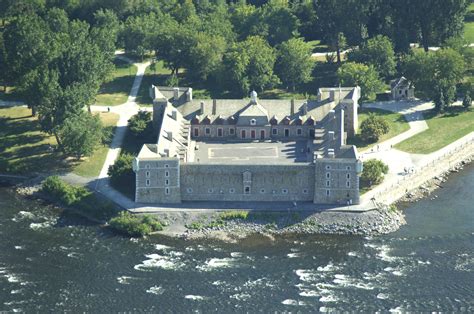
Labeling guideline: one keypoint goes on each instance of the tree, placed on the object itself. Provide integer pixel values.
(141, 125)
(377, 51)
(81, 134)
(139, 33)
(205, 55)
(435, 73)
(373, 172)
(249, 64)
(373, 128)
(294, 64)
(280, 21)
(358, 74)
(121, 172)
(467, 101)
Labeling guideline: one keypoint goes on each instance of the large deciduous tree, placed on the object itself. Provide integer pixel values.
(377, 51)
(294, 63)
(249, 64)
(358, 74)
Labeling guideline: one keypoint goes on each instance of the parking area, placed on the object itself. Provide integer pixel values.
(264, 152)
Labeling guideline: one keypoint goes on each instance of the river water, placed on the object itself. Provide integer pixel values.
(51, 260)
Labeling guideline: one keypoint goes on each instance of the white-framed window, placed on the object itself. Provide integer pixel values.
(253, 122)
(328, 183)
(231, 190)
(348, 184)
(220, 132)
(305, 191)
(348, 168)
(167, 173)
(147, 182)
(328, 192)
(167, 191)
(208, 131)
(196, 132)
(167, 166)
(247, 190)
(189, 190)
(284, 191)
(148, 174)
(262, 191)
(299, 131)
(287, 132)
(167, 182)
(231, 131)
(348, 176)
(275, 131)
(328, 167)
(147, 166)
(210, 191)
(328, 175)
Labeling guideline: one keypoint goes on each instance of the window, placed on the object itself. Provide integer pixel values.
(299, 131)
(348, 184)
(167, 166)
(287, 132)
(167, 182)
(208, 131)
(219, 132)
(147, 166)
(247, 190)
(348, 176)
(328, 175)
(231, 191)
(328, 192)
(253, 122)
(262, 191)
(196, 132)
(189, 190)
(305, 191)
(167, 191)
(231, 131)
(147, 182)
(348, 168)
(210, 191)
(274, 131)
(167, 173)
(243, 133)
(328, 183)
(284, 191)
(148, 174)
(328, 167)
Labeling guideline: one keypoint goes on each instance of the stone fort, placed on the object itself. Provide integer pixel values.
(250, 149)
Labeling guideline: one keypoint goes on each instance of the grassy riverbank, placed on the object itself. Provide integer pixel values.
(443, 130)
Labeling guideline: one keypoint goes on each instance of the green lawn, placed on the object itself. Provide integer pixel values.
(469, 31)
(397, 123)
(115, 92)
(91, 166)
(8, 93)
(157, 77)
(23, 147)
(443, 130)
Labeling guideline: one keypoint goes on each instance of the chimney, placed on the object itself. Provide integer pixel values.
(332, 114)
(292, 106)
(167, 152)
(189, 94)
(331, 153)
(331, 135)
(214, 107)
(175, 93)
(202, 108)
(174, 115)
(305, 108)
(170, 135)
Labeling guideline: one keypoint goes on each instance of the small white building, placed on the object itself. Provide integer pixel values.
(402, 89)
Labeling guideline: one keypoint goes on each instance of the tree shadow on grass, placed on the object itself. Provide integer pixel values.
(122, 84)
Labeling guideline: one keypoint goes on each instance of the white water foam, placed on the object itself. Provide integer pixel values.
(292, 302)
(19, 247)
(309, 293)
(329, 267)
(382, 296)
(329, 298)
(215, 263)
(305, 274)
(194, 297)
(155, 290)
(236, 254)
(124, 280)
(293, 255)
(159, 261)
(161, 247)
(42, 225)
(241, 296)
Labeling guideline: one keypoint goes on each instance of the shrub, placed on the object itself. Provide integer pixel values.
(121, 172)
(140, 125)
(234, 214)
(467, 101)
(196, 225)
(373, 128)
(373, 172)
(134, 225)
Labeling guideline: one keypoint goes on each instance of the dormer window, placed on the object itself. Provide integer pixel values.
(253, 122)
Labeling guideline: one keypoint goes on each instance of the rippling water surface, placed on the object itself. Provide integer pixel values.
(55, 261)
